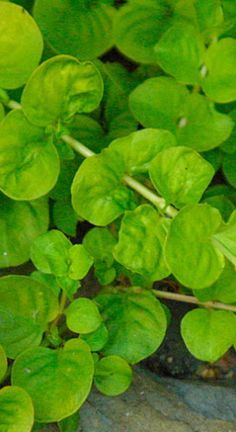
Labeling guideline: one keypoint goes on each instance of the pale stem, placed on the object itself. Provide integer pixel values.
(14, 105)
(190, 299)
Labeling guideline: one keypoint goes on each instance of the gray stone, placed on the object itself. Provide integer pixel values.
(162, 405)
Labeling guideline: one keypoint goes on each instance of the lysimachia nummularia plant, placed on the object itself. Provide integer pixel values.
(123, 173)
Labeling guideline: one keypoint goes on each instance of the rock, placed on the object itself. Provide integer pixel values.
(162, 405)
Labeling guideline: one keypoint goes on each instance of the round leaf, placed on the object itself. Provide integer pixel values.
(25, 157)
(82, 316)
(224, 289)
(113, 375)
(97, 339)
(59, 88)
(138, 27)
(180, 175)
(208, 334)
(21, 45)
(65, 375)
(26, 307)
(20, 223)
(179, 52)
(219, 82)
(3, 363)
(80, 262)
(97, 193)
(83, 30)
(163, 103)
(140, 147)
(189, 249)
(145, 254)
(50, 253)
(17, 413)
(136, 324)
(229, 170)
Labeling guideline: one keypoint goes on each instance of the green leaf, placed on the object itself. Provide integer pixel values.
(21, 45)
(20, 223)
(229, 163)
(223, 290)
(210, 17)
(113, 375)
(189, 250)
(82, 316)
(208, 334)
(145, 255)
(70, 424)
(80, 262)
(225, 238)
(26, 307)
(17, 412)
(84, 31)
(163, 103)
(223, 204)
(200, 126)
(138, 27)
(229, 146)
(140, 147)
(96, 339)
(3, 363)
(100, 244)
(97, 193)
(179, 52)
(88, 131)
(219, 82)
(156, 103)
(68, 285)
(136, 324)
(47, 279)
(180, 175)
(50, 253)
(65, 374)
(59, 88)
(25, 155)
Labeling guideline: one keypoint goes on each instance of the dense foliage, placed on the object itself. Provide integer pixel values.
(153, 202)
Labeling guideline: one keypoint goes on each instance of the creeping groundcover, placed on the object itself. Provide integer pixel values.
(117, 183)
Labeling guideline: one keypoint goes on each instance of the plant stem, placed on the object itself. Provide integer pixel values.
(159, 202)
(13, 105)
(190, 299)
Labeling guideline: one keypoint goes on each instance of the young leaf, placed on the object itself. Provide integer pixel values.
(179, 52)
(59, 88)
(26, 307)
(219, 82)
(20, 223)
(136, 324)
(64, 217)
(163, 103)
(3, 364)
(145, 254)
(50, 253)
(83, 30)
(17, 412)
(113, 375)
(180, 175)
(140, 147)
(189, 251)
(21, 45)
(64, 374)
(82, 316)
(80, 262)
(96, 339)
(225, 238)
(25, 155)
(97, 193)
(208, 334)
(223, 290)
